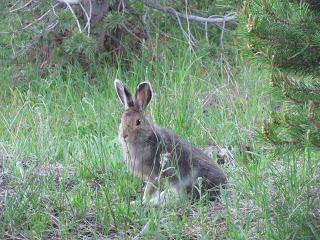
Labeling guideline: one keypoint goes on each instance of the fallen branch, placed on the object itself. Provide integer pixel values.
(19, 8)
(231, 18)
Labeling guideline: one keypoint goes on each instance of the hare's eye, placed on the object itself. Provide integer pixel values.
(138, 122)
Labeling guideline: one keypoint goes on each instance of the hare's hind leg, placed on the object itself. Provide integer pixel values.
(149, 191)
(162, 198)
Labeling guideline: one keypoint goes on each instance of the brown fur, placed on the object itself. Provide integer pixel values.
(145, 146)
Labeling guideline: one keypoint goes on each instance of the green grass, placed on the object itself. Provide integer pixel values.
(63, 176)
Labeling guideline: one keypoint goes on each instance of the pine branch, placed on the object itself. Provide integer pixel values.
(269, 137)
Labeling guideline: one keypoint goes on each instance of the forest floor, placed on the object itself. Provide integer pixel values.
(61, 169)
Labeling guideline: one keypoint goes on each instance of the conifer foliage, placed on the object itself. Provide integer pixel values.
(58, 31)
(285, 37)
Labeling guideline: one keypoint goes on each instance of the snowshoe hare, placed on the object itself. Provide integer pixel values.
(155, 153)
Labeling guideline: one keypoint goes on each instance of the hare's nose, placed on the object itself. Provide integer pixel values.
(125, 136)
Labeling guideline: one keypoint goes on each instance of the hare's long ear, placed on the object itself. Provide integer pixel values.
(123, 94)
(143, 95)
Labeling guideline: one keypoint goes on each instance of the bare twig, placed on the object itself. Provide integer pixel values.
(54, 11)
(185, 34)
(192, 18)
(52, 25)
(144, 21)
(69, 1)
(15, 4)
(13, 51)
(88, 16)
(38, 19)
(130, 32)
(206, 30)
(19, 8)
(72, 12)
(121, 5)
(190, 41)
(222, 33)
(298, 53)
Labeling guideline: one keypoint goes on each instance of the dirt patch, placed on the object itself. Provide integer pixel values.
(57, 172)
(29, 168)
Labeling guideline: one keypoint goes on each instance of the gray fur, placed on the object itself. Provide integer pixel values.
(146, 147)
